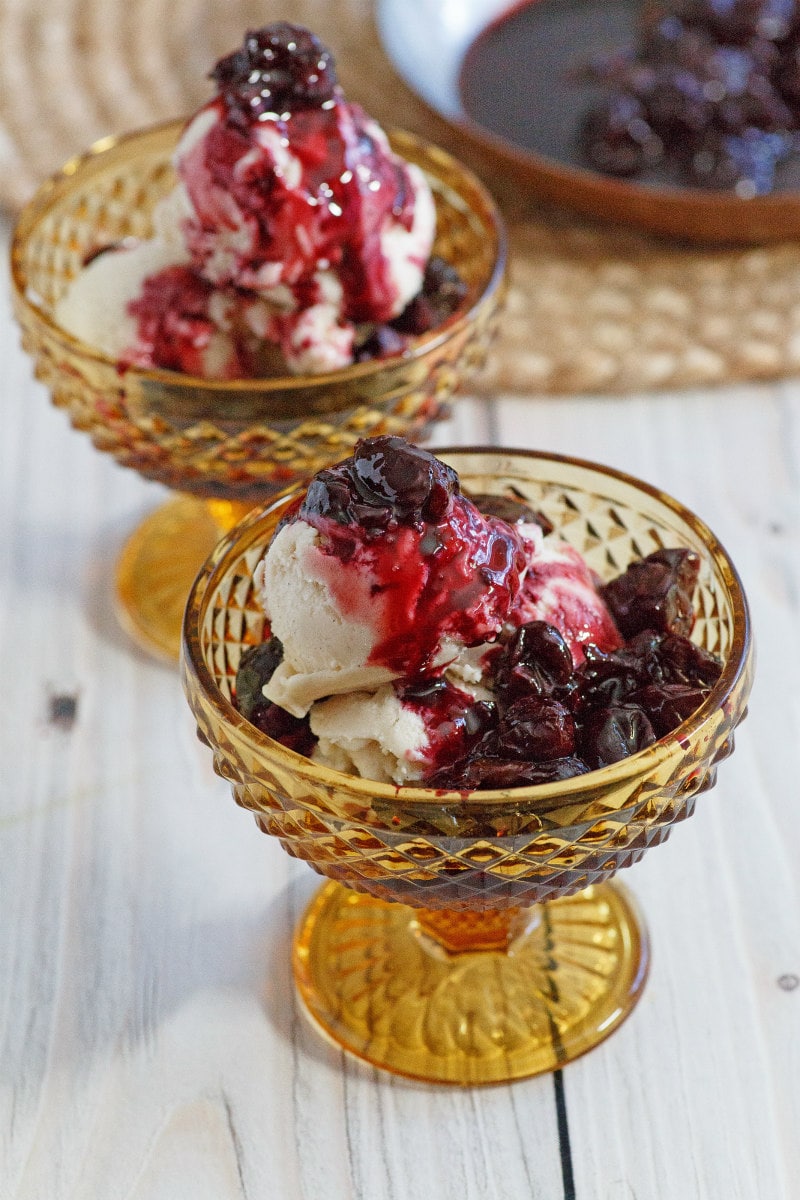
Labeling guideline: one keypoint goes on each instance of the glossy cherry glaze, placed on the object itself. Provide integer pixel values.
(396, 514)
(310, 174)
(175, 329)
(555, 710)
(294, 194)
(278, 68)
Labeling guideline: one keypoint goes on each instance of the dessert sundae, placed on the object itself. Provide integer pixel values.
(295, 239)
(418, 635)
(710, 95)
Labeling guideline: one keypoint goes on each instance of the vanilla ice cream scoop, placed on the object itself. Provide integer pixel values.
(398, 733)
(416, 636)
(371, 734)
(293, 225)
(384, 571)
(295, 194)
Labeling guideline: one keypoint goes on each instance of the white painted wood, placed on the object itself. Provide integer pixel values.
(152, 1047)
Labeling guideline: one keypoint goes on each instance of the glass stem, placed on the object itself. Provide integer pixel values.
(466, 932)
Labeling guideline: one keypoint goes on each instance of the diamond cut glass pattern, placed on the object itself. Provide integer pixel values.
(248, 439)
(482, 857)
(236, 443)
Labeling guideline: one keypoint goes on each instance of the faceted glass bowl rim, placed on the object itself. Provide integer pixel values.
(541, 797)
(484, 209)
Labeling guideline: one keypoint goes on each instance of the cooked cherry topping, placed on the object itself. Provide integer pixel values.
(610, 734)
(292, 732)
(610, 678)
(534, 661)
(648, 658)
(442, 294)
(382, 342)
(670, 703)
(256, 667)
(737, 21)
(787, 72)
(557, 723)
(655, 593)
(479, 773)
(387, 480)
(617, 139)
(279, 68)
(511, 509)
(550, 717)
(681, 661)
(710, 91)
(535, 727)
(413, 483)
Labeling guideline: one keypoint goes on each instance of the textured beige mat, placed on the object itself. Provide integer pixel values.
(592, 307)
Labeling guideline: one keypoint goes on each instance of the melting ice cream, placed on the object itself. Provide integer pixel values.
(417, 636)
(292, 232)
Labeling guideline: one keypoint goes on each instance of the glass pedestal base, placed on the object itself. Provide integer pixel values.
(158, 565)
(387, 983)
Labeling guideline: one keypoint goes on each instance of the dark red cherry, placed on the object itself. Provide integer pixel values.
(616, 137)
(279, 68)
(535, 661)
(737, 21)
(383, 342)
(386, 480)
(536, 728)
(679, 660)
(442, 294)
(611, 734)
(670, 704)
(480, 773)
(390, 472)
(655, 593)
(610, 677)
(292, 732)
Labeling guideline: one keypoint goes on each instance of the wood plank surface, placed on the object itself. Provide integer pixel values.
(152, 1045)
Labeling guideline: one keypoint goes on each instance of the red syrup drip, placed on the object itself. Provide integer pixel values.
(174, 329)
(453, 719)
(334, 214)
(456, 578)
(563, 594)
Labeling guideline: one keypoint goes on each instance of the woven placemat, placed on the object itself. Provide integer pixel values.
(591, 308)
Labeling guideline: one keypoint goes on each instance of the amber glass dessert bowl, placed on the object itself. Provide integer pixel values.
(475, 937)
(226, 446)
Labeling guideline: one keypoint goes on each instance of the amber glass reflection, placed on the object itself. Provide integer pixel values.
(477, 938)
(243, 441)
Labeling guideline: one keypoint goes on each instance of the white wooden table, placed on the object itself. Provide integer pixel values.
(152, 1045)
